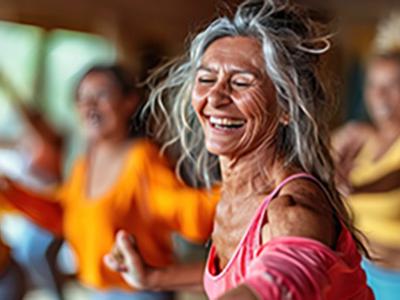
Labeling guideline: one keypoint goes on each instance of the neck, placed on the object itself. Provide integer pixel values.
(389, 131)
(110, 144)
(253, 174)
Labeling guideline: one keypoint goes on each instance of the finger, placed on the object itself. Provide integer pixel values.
(117, 255)
(126, 247)
(113, 264)
(110, 262)
(136, 272)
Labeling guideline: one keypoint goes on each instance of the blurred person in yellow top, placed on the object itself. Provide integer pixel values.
(121, 182)
(369, 163)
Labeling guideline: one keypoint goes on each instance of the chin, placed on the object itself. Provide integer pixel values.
(92, 137)
(219, 150)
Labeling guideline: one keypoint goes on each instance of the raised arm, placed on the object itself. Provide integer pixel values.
(41, 209)
(387, 183)
(347, 142)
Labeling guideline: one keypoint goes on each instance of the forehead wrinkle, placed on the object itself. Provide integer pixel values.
(248, 60)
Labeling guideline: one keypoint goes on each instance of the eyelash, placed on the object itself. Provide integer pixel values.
(235, 83)
(241, 83)
(206, 80)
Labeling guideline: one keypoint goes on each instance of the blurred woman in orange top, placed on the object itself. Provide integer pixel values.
(119, 183)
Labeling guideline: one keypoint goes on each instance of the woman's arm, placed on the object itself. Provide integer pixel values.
(125, 259)
(384, 184)
(42, 210)
(292, 267)
(347, 142)
(286, 269)
(242, 292)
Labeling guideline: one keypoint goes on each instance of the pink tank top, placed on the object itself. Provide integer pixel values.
(289, 267)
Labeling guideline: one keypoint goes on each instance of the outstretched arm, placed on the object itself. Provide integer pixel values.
(125, 258)
(347, 143)
(40, 209)
(384, 184)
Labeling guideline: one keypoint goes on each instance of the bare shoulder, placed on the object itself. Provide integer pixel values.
(355, 127)
(352, 131)
(301, 209)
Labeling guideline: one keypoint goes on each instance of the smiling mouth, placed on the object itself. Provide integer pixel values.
(94, 118)
(226, 123)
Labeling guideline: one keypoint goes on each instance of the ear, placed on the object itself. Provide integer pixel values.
(284, 119)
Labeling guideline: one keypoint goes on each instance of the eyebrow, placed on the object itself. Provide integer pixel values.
(257, 74)
(204, 68)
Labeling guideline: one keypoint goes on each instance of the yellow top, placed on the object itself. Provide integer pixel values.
(147, 200)
(377, 214)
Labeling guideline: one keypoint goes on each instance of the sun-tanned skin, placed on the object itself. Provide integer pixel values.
(236, 105)
(229, 86)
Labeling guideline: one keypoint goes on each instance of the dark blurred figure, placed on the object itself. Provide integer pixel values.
(34, 159)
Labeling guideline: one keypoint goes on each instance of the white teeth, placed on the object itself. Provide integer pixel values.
(226, 121)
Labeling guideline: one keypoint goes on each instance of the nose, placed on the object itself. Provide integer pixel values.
(88, 101)
(219, 95)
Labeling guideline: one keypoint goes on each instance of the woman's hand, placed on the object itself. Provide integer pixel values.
(124, 258)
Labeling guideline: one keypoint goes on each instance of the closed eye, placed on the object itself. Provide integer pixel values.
(241, 83)
(206, 80)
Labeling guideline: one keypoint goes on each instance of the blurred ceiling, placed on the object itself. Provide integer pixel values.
(168, 21)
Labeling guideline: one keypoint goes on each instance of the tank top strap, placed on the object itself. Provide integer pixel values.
(255, 230)
(277, 189)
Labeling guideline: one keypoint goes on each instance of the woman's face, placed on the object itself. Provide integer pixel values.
(233, 97)
(382, 91)
(103, 110)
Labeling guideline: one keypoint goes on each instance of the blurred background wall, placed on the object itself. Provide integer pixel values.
(46, 44)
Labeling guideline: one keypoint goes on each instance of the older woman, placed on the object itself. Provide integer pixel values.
(251, 91)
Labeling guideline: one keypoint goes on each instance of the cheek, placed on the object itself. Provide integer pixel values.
(108, 110)
(395, 96)
(81, 110)
(257, 107)
(198, 101)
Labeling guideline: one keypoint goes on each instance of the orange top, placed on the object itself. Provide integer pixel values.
(4, 249)
(146, 200)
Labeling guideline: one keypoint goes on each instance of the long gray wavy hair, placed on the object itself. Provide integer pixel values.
(293, 40)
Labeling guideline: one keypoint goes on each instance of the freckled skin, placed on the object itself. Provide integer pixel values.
(300, 209)
(231, 221)
(232, 83)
